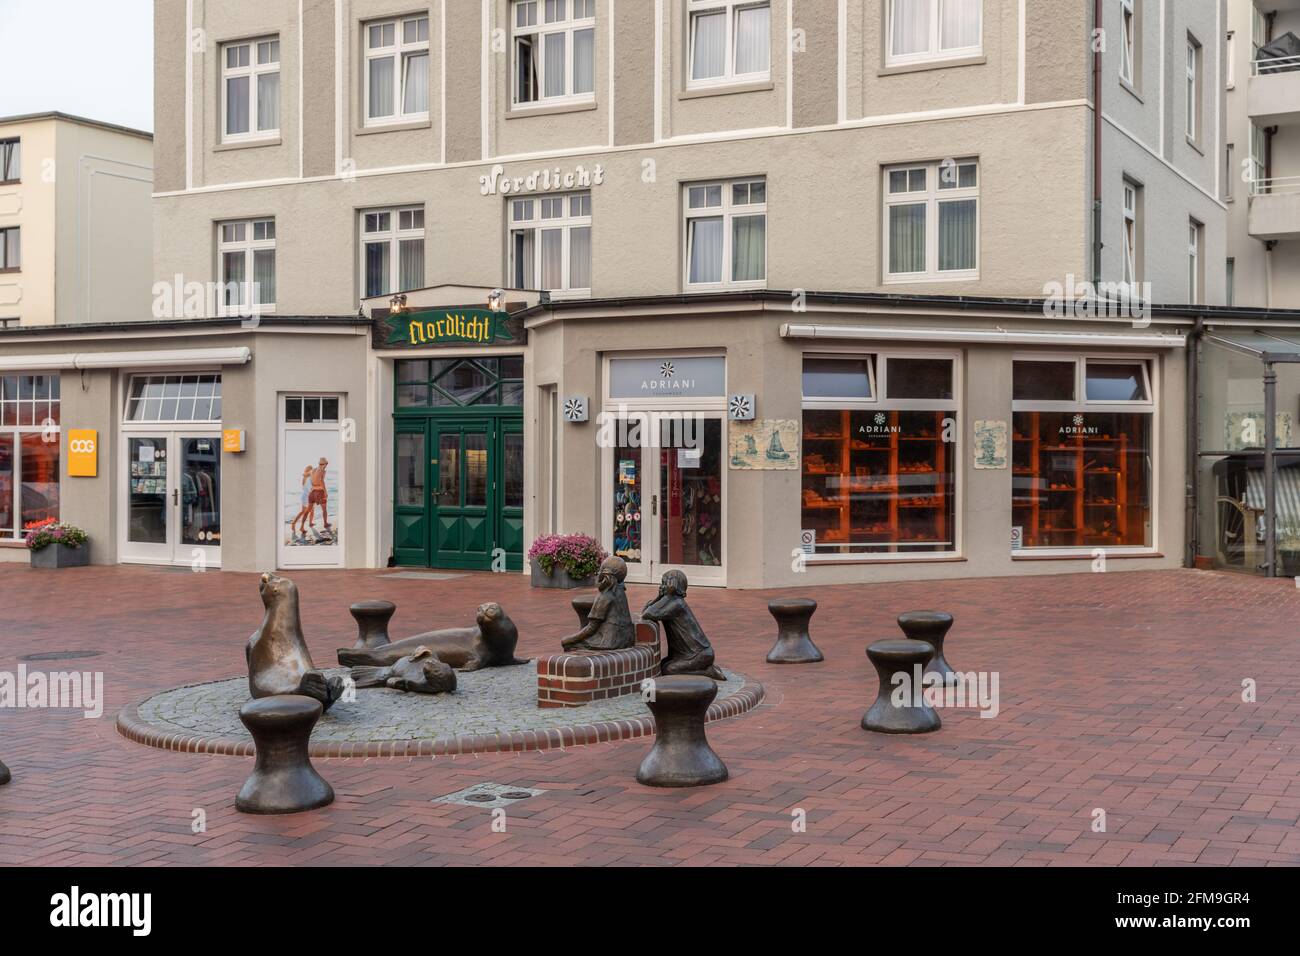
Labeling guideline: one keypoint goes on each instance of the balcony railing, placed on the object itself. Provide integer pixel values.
(1278, 185)
(1279, 64)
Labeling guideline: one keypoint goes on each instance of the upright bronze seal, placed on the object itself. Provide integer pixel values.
(277, 655)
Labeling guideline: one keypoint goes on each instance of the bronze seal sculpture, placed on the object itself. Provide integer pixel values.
(277, 655)
(489, 643)
(418, 673)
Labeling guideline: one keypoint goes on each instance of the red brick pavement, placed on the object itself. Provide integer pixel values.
(1119, 691)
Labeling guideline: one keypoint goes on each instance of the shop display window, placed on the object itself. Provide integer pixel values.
(1082, 474)
(29, 452)
(879, 472)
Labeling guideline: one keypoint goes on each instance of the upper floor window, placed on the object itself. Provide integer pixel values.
(1193, 84)
(1195, 232)
(1128, 41)
(397, 70)
(932, 221)
(11, 249)
(921, 30)
(555, 50)
(392, 250)
(251, 74)
(726, 234)
(550, 243)
(730, 41)
(1131, 232)
(246, 252)
(10, 160)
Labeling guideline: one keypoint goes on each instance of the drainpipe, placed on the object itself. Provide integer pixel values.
(1191, 520)
(1096, 145)
(1270, 470)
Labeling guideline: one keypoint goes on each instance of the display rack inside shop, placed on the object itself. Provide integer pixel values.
(1072, 486)
(692, 512)
(627, 506)
(878, 480)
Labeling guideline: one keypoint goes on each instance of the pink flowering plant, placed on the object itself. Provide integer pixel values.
(47, 532)
(578, 554)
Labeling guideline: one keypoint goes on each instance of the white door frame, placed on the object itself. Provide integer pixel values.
(319, 556)
(173, 551)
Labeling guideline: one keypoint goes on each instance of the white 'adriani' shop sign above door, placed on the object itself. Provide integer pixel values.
(668, 377)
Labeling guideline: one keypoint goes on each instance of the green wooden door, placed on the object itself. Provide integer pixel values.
(410, 493)
(462, 507)
(510, 482)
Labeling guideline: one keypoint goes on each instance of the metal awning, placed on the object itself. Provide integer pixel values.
(144, 358)
(1258, 344)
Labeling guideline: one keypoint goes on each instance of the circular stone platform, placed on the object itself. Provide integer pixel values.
(492, 711)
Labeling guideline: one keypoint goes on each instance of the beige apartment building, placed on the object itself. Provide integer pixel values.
(771, 291)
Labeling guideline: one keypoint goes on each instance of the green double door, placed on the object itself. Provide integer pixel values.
(459, 491)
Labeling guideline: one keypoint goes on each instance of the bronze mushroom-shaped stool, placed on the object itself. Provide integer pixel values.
(283, 779)
(582, 607)
(681, 755)
(931, 627)
(910, 715)
(4, 774)
(793, 645)
(372, 619)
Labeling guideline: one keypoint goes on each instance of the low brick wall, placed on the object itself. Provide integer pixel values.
(572, 680)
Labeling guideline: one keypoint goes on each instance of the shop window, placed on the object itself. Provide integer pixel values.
(246, 253)
(460, 383)
(29, 452)
(550, 243)
(396, 70)
(879, 463)
(174, 398)
(554, 50)
(726, 234)
(932, 221)
(250, 72)
(730, 41)
(1081, 469)
(922, 30)
(392, 250)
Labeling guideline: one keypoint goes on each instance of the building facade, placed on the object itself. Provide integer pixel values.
(771, 292)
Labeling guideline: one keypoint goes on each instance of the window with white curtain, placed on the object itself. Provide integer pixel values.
(11, 151)
(392, 250)
(730, 41)
(1128, 41)
(550, 243)
(246, 258)
(920, 30)
(726, 234)
(250, 73)
(1131, 233)
(554, 50)
(11, 249)
(932, 221)
(397, 70)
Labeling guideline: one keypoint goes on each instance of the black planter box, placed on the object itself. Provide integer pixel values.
(61, 556)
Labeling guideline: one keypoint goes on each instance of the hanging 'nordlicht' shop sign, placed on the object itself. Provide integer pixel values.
(540, 180)
(435, 327)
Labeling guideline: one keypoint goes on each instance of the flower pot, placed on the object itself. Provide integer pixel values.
(61, 556)
(558, 578)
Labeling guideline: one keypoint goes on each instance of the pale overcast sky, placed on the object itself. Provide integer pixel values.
(101, 66)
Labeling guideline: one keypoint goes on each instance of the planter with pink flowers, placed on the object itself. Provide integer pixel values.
(565, 561)
(55, 545)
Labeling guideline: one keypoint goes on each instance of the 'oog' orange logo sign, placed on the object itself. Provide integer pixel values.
(83, 443)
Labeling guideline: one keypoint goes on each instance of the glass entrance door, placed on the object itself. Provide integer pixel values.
(173, 498)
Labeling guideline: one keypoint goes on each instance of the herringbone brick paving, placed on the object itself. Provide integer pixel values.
(1119, 691)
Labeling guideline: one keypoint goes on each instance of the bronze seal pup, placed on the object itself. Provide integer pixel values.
(420, 673)
(489, 643)
(277, 656)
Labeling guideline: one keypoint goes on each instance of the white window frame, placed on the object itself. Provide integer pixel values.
(11, 156)
(1128, 42)
(394, 235)
(5, 264)
(248, 245)
(1194, 236)
(399, 50)
(731, 9)
(535, 223)
(878, 364)
(1193, 90)
(727, 211)
(253, 71)
(1230, 59)
(1131, 233)
(1150, 373)
(934, 53)
(932, 196)
(539, 29)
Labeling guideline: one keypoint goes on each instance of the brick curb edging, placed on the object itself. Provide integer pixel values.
(131, 726)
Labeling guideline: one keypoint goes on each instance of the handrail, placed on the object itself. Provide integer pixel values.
(1274, 186)
(1278, 64)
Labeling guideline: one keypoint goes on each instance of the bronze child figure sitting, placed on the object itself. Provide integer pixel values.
(609, 623)
(689, 651)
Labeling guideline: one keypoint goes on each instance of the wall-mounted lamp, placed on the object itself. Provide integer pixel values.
(496, 299)
(397, 304)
